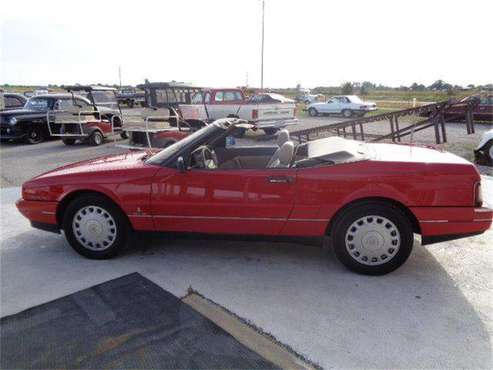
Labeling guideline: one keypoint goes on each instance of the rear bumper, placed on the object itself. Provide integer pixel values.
(447, 223)
(39, 212)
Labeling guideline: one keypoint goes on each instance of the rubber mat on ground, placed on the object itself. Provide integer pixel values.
(128, 322)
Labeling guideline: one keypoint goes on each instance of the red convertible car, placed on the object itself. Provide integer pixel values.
(368, 199)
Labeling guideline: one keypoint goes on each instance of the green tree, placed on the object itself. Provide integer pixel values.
(347, 88)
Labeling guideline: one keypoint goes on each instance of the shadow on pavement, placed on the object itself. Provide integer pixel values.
(416, 317)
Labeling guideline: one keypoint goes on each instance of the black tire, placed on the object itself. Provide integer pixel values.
(96, 138)
(121, 225)
(270, 131)
(376, 215)
(312, 112)
(124, 135)
(347, 113)
(35, 135)
(69, 141)
(482, 156)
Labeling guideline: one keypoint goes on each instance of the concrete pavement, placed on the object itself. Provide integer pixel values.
(435, 311)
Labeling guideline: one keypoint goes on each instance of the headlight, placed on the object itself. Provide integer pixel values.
(12, 120)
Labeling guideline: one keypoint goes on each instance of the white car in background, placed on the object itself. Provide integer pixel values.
(347, 105)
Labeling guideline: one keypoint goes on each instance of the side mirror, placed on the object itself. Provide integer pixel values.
(180, 164)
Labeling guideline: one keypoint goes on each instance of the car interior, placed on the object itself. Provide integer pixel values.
(285, 154)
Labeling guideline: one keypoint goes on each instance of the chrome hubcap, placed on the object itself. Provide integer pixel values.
(94, 228)
(372, 240)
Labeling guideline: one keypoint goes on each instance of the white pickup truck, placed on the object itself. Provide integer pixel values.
(267, 111)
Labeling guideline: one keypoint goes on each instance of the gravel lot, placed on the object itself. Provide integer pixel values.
(19, 162)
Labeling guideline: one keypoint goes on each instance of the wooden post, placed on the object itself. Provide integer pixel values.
(397, 127)
(353, 129)
(442, 124)
(391, 122)
(437, 131)
(344, 132)
(362, 133)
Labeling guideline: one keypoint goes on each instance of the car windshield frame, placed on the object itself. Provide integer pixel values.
(168, 155)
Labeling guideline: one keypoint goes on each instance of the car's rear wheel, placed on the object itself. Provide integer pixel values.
(96, 138)
(484, 155)
(35, 135)
(124, 135)
(372, 238)
(95, 227)
(312, 112)
(68, 141)
(347, 113)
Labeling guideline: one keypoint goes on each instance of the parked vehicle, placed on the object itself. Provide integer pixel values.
(11, 101)
(347, 105)
(103, 97)
(131, 97)
(29, 123)
(344, 190)
(483, 154)
(267, 111)
(483, 111)
(73, 121)
(182, 116)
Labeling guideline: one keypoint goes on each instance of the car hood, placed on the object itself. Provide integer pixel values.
(92, 167)
(413, 153)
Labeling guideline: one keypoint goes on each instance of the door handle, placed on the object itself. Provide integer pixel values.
(280, 179)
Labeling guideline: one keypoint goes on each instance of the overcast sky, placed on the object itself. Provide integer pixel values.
(217, 42)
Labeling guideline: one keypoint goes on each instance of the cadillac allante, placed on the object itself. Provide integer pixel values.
(367, 199)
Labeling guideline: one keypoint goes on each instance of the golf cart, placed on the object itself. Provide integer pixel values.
(170, 115)
(91, 117)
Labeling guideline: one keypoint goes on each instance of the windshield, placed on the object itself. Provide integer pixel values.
(176, 147)
(38, 104)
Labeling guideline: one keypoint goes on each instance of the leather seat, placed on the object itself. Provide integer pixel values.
(282, 137)
(283, 156)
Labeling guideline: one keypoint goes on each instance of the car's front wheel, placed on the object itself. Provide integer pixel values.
(312, 112)
(35, 135)
(372, 238)
(95, 227)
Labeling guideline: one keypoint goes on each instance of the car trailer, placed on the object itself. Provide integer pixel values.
(154, 128)
(427, 116)
(79, 123)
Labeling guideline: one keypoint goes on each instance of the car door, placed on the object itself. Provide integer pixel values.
(232, 201)
(329, 106)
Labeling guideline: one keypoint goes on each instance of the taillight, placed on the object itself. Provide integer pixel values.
(254, 114)
(478, 195)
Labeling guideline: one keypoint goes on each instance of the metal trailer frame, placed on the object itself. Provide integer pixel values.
(434, 114)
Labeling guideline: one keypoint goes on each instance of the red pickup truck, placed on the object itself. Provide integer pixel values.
(482, 111)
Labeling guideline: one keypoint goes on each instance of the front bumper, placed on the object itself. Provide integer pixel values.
(8, 132)
(447, 223)
(38, 212)
(275, 124)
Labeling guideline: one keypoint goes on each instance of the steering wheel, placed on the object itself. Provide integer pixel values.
(206, 157)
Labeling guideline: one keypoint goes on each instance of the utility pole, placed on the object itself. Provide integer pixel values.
(262, 53)
(120, 75)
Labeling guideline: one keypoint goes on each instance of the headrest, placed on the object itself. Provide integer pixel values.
(286, 152)
(282, 137)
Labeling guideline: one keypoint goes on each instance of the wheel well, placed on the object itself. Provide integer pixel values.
(62, 206)
(379, 200)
